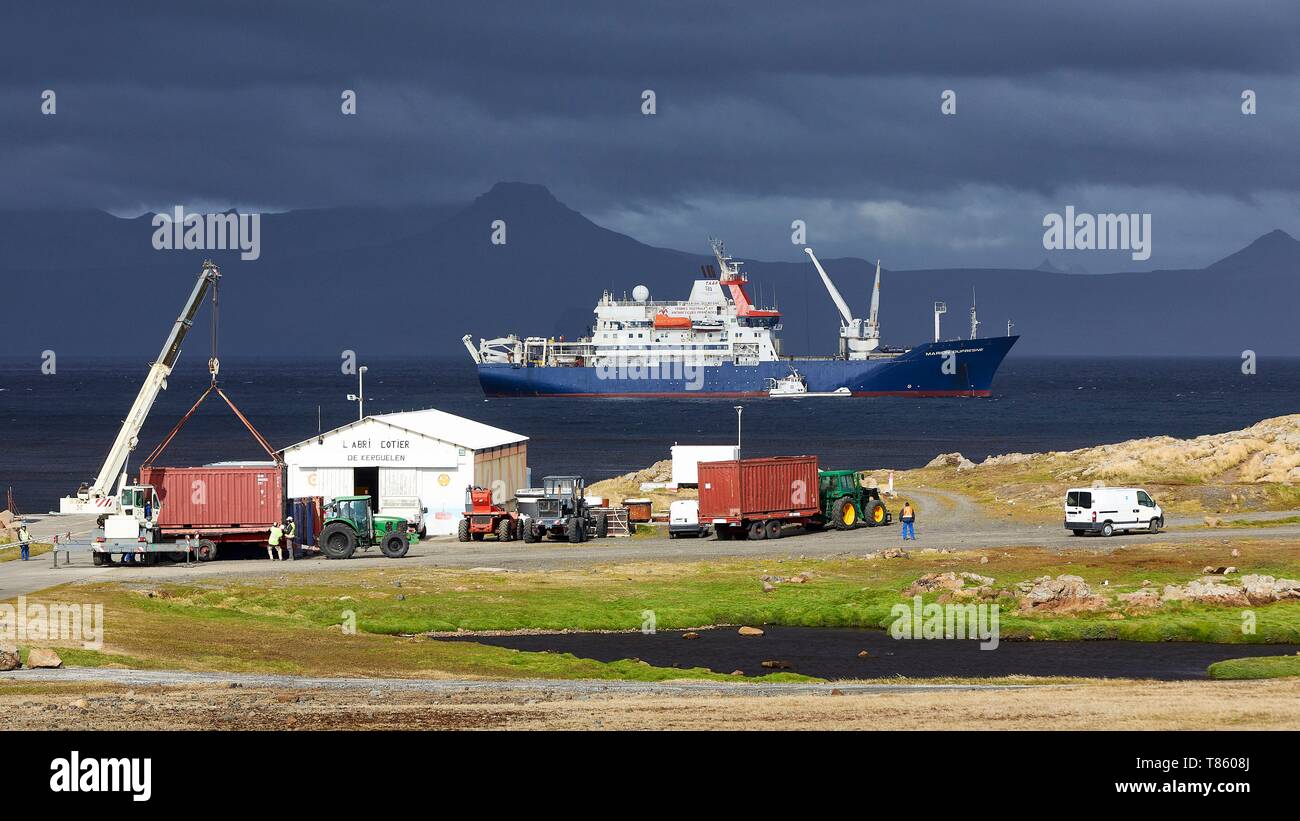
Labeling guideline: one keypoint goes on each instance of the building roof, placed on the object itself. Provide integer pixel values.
(436, 424)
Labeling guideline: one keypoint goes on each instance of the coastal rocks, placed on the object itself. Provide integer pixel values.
(9, 659)
(1064, 593)
(1146, 597)
(40, 657)
(1206, 590)
(951, 582)
(750, 631)
(950, 460)
(1265, 589)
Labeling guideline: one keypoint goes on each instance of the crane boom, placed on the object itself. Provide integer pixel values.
(830, 286)
(155, 381)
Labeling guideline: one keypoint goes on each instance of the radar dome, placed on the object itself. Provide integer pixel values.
(640, 293)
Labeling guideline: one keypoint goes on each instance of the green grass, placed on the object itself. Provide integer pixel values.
(1255, 668)
(292, 624)
(10, 552)
(1286, 520)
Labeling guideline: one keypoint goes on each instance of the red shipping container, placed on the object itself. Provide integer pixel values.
(218, 501)
(779, 487)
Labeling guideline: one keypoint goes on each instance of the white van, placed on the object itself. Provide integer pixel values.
(684, 519)
(408, 508)
(1105, 510)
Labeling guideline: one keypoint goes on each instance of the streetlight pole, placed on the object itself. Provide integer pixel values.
(360, 396)
(361, 393)
(739, 409)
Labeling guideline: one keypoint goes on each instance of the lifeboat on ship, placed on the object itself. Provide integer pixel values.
(664, 322)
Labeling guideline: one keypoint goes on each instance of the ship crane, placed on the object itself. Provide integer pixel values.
(858, 337)
(97, 497)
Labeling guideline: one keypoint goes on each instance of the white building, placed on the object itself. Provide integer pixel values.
(425, 453)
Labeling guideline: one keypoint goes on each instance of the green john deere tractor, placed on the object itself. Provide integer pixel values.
(349, 524)
(846, 504)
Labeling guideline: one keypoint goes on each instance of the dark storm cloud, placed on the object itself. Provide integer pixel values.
(765, 107)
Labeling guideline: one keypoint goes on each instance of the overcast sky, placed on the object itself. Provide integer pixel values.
(766, 113)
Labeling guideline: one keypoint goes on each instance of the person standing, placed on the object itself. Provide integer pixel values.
(24, 542)
(273, 543)
(908, 517)
(290, 534)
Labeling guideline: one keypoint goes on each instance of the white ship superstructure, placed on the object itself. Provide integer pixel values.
(709, 328)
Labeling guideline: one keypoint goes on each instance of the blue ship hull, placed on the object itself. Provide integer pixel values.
(919, 372)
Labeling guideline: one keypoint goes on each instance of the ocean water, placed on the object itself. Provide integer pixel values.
(56, 429)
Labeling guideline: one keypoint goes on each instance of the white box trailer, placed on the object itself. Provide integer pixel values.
(687, 458)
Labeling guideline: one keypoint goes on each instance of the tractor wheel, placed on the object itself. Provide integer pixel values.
(337, 541)
(462, 530)
(531, 536)
(602, 526)
(205, 550)
(875, 513)
(844, 516)
(505, 532)
(576, 528)
(395, 545)
(756, 531)
(723, 532)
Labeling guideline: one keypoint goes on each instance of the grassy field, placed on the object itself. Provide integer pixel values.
(294, 623)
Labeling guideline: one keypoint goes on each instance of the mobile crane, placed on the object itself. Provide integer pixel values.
(99, 496)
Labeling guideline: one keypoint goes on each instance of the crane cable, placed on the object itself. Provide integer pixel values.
(214, 364)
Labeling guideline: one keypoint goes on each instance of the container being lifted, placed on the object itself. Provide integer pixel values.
(183, 510)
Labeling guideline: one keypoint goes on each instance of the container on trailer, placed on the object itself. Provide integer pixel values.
(231, 503)
(778, 487)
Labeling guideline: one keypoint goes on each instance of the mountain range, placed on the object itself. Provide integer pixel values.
(411, 281)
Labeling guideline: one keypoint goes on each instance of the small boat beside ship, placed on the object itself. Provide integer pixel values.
(718, 343)
(795, 386)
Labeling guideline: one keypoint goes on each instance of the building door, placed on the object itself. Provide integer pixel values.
(365, 482)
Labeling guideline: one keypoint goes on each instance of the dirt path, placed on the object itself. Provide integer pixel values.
(134, 700)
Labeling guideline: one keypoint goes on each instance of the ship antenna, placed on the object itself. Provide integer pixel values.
(974, 321)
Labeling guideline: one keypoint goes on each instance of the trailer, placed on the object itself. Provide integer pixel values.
(754, 498)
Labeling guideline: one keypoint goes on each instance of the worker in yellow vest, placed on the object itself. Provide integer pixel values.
(273, 543)
(24, 542)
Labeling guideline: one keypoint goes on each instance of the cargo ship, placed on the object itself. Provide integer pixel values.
(718, 343)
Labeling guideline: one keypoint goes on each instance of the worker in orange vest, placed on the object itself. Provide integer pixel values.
(908, 517)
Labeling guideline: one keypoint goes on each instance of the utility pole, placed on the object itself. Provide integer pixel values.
(360, 396)
(739, 409)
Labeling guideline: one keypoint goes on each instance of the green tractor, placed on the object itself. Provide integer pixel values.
(846, 504)
(350, 523)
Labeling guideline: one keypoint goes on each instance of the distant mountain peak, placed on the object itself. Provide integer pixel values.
(1276, 248)
(524, 193)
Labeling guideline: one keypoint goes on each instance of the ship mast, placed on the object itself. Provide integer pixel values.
(974, 321)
